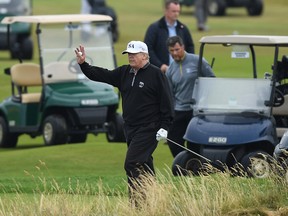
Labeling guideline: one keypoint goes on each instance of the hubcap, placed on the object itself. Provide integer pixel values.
(286, 175)
(259, 168)
(111, 131)
(194, 165)
(213, 8)
(48, 132)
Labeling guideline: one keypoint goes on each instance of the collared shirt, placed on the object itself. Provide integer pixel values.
(134, 71)
(171, 32)
(172, 29)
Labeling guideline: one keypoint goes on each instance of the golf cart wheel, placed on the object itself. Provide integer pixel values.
(282, 167)
(216, 7)
(26, 47)
(14, 52)
(185, 164)
(22, 49)
(257, 164)
(285, 169)
(7, 139)
(77, 138)
(55, 130)
(255, 7)
(115, 132)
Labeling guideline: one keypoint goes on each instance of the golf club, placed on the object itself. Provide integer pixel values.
(189, 150)
(195, 153)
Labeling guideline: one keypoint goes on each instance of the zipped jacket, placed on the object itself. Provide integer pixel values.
(156, 37)
(146, 97)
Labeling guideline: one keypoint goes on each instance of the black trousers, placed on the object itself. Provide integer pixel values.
(178, 129)
(141, 142)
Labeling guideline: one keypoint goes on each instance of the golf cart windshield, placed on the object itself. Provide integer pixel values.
(240, 85)
(59, 35)
(59, 41)
(15, 7)
(228, 95)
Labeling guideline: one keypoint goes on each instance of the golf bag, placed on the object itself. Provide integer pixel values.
(100, 7)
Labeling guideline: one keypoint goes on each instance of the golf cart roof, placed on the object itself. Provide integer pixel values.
(259, 40)
(62, 18)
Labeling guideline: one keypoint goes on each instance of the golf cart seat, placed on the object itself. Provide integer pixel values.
(25, 75)
(282, 68)
(283, 109)
(58, 72)
(282, 71)
(284, 63)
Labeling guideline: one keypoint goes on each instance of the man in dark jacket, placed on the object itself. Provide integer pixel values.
(159, 31)
(146, 102)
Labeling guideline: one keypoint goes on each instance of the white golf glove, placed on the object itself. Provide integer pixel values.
(161, 134)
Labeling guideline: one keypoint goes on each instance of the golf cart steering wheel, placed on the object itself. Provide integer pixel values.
(278, 98)
(74, 66)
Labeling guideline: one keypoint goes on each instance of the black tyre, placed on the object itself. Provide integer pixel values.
(257, 164)
(26, 48)
(14, 52)
(77, 138)
(282, 167)
(115, 131)
(7, 139)
(55, 130)
(285, 169)
(255, 7)
(216, 7)
(22, 49)
(185, 163)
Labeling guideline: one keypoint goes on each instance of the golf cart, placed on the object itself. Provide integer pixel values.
(218, 7)
(20, 43)
(53, 98)
(281, 117)
(233, 125)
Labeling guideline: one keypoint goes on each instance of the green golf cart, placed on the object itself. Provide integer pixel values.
(17, 39)
(53, 98)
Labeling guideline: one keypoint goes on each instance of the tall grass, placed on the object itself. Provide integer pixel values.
(216, 194)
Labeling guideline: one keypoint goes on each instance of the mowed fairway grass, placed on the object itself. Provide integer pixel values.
(31, 169)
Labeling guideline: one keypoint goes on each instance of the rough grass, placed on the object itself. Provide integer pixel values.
(215, 194)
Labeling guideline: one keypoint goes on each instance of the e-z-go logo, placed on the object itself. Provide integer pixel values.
(221, 140)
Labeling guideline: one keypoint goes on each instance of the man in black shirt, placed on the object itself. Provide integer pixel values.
(146, 103)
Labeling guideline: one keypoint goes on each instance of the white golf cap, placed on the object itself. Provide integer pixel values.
(136, 47)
